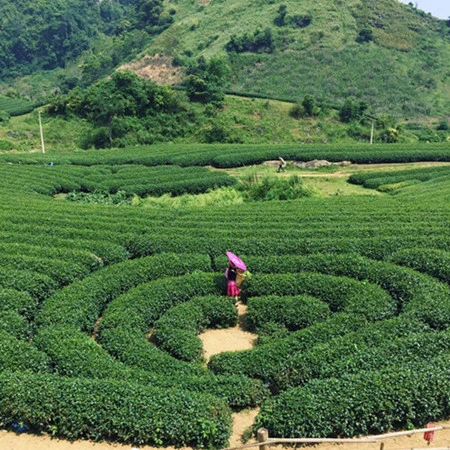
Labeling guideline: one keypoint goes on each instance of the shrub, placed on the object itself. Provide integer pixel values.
(81, 303)
(19, 301)
(20, 355)
(176, 331)
(294, 312)
(401, 397)
(262, 361)
(76, 408)
(431, 261)
(15, 324)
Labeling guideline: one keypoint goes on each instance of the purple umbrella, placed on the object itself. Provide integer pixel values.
(236, 261)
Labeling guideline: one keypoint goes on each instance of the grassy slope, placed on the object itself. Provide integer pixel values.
(405, 71)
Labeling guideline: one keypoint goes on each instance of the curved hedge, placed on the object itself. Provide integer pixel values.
(75, 354)
(20, 355)
(340, 293)
(176, 331)
(354, 353)
(81, 303)
(370, 402)
(413, 292)
(293, 313)
(19, 301)
(263, 361)
(431, 261)
(76, 408)
(38, 285)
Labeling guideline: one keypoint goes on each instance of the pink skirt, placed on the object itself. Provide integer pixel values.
(232, 289)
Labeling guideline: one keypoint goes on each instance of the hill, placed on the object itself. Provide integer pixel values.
(391, 56)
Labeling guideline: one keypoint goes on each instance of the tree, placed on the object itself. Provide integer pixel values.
(280, 19)
(309, 105)
(351, 111)
(365, 35)
(206, 80)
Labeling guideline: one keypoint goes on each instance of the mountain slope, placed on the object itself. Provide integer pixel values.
(401, 64)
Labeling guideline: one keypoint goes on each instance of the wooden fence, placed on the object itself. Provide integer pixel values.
(264, 441)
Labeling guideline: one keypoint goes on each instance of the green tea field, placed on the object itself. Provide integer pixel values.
(103, 295)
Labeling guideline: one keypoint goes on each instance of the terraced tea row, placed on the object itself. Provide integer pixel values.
(226, 156)
(102, 307)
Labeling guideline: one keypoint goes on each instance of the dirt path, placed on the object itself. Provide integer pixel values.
(217, 341)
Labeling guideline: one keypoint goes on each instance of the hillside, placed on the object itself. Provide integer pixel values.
(400, 66)
(391, 56)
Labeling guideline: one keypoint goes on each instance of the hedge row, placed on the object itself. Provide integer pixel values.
(83, 258)
(258, 244)
(102, 251)
(220, 155)
(15, 324)
(414, 292)
(340, 293)
(81, 303)
(262, 361)
(39, 286)
(19, 355)
(176, 331)
(431, 261)
(18, 301)
(374, 180)
(292, 313)
(131, 179)
(75, 354)
(76, 408)
(128, 318)
(279, 363)
(371, 402)
(62, 272)
(354, 353)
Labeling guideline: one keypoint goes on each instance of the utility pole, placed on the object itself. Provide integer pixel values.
(371, 134)
(42, 133)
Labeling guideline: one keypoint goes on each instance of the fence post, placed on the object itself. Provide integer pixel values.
(382, 446)
(263, 435)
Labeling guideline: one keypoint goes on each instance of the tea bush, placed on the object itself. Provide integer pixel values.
(21, 355)
(370, 402)
(295, 312)
(176, 331)
(76, 408)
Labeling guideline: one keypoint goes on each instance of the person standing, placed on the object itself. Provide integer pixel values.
(232, 288)
(281, 164)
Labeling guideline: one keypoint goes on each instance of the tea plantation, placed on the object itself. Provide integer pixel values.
(102, 305)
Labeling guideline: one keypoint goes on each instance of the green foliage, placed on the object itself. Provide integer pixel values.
(365, 35)
(404, 403)
(176, 331)
(294, 312)
(360, 280)
(206, 80)
(260, 41)
(309, 106)
(134, 106)
(376, 180)
(431, 261)
(59, 32)
(351, 111)
(80, 303)
(10, 106)
(116, 410)
(274, 189)
(20, 355)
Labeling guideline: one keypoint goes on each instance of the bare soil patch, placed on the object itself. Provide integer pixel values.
(156, 68)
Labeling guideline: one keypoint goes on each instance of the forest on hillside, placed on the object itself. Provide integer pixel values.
(43, 34)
